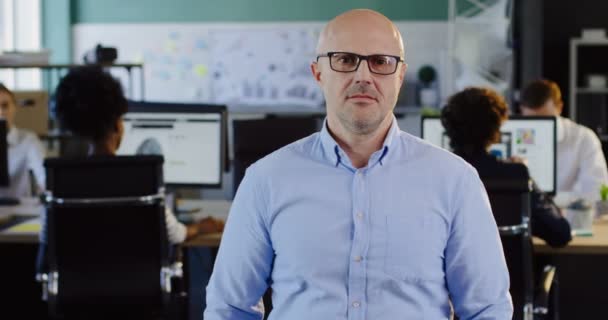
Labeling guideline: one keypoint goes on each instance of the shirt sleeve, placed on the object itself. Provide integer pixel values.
(176, 231)
(242, 268)
(592, 171)
(476, 271)
(547, 222)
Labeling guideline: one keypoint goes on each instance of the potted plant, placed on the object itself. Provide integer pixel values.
(428, 94)
(601, 206)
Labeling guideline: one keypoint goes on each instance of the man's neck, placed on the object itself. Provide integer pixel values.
(360, 147)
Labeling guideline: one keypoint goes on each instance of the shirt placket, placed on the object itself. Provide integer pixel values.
(357, 274)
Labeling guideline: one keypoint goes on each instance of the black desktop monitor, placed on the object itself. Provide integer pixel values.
(4, 179)
(253, 139)
(531, 138)
(190, 137)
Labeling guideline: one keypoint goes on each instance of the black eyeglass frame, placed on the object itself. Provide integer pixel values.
(361, 58)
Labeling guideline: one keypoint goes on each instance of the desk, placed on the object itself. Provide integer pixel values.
(31, 207)
(215, 208)
(581, 268)
(593, 245)
(18, 252)
(28, 208)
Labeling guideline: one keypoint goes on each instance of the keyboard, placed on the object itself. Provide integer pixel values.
(6, 201)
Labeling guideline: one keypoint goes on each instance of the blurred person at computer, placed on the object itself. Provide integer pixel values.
(472, 119)
(25, 152)
(90, 103)
(581, 165)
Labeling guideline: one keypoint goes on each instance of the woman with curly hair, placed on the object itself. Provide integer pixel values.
(90, 104)
(472, 120)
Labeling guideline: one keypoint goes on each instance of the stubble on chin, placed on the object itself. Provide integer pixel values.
(359, 126)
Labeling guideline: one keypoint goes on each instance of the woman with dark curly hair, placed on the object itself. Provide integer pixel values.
(90, 103)
(472, 120)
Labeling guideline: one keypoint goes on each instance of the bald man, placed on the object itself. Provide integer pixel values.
(360, 220)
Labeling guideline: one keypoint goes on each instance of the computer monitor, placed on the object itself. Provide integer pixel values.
(191, 137)
(253, 139)
(4, 176)
(532, 138)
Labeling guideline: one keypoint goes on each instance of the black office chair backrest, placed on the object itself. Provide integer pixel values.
(510, 201)
(254, 139)
(106, 247)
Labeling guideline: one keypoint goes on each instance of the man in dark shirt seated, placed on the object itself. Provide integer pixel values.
(472, 120)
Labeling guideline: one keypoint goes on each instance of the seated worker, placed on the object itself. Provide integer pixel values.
(25, 152)
(90, 103)
(581, 166)
(472, 120)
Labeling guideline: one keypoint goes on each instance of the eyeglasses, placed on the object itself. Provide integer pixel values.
(349, 62)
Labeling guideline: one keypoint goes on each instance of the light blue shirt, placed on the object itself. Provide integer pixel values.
(396, 239)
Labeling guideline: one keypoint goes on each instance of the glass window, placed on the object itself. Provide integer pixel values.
(20, 30)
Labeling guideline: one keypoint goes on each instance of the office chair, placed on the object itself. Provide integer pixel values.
(510, 201)
(108, 251)
(254, 139)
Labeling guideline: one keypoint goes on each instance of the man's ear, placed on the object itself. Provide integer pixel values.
(402, 71)
(314, 68)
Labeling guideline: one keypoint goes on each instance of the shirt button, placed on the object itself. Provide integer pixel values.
(356, 304)
(360, 215)
(358, 258)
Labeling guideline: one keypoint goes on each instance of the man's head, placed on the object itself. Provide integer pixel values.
(541, 98)
(8, 105)
(90, 103)
(359, 102)
(472, 119)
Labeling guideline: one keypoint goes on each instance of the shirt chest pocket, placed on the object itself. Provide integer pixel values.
(414, 248)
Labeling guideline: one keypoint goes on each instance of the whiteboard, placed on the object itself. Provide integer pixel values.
(247, 64)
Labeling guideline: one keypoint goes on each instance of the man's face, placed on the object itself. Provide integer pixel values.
(359, 101)
(7, 108)
(550, 108)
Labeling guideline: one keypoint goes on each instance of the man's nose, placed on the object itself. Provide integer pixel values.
(363, 75)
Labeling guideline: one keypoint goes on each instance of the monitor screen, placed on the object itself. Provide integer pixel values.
(531, 138)
(190, 137)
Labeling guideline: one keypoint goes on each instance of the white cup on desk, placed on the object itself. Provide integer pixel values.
(581, 220)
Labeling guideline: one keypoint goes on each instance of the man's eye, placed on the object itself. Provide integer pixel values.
(381, 60)
(346, 59)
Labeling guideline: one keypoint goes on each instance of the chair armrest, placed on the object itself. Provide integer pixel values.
(541, 301)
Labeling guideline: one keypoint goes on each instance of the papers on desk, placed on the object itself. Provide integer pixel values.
(30, 226)
(582, 233)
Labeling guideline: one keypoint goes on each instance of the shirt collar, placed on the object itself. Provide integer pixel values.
(336, 155)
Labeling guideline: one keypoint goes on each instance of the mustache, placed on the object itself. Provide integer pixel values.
(363, 89)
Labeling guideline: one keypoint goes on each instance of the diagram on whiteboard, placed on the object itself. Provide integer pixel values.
(264, 67)
(177, 66)
(255, 65)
